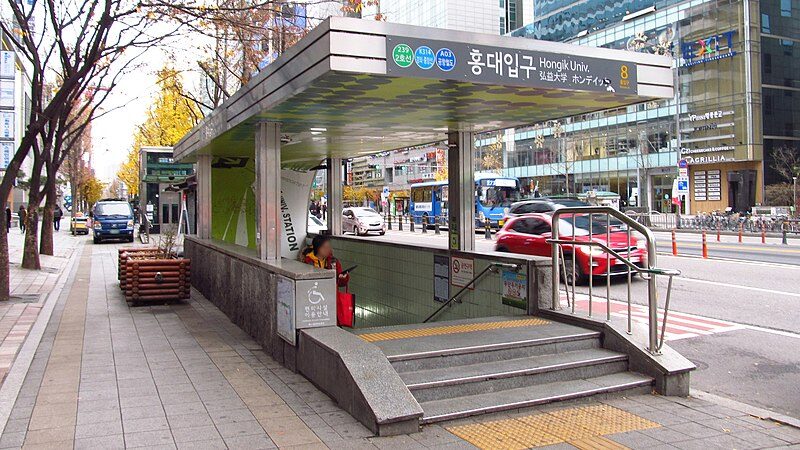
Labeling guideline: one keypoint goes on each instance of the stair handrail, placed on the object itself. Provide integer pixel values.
(492, 267)
(649, 273)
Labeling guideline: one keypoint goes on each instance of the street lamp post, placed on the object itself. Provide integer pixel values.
(794, 195)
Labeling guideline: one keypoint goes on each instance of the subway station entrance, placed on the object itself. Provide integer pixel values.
(354, 87)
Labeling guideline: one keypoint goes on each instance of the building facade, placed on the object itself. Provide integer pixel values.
(478, 16)
(720, 121)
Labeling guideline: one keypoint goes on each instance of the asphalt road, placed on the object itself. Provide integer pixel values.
(755, 286)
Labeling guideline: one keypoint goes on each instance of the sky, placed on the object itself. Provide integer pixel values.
(127, 105)
(112, 134)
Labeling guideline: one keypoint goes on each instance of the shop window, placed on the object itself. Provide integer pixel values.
(175, 213)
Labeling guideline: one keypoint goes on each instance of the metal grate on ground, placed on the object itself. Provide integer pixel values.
(582, 427)
(451, 329)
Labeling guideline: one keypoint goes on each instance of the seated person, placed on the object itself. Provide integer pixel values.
(320, 254)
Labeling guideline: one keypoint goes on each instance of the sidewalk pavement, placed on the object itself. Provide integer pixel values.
(182, 375)
(29, 289)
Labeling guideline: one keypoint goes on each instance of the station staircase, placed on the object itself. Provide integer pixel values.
(462, 368)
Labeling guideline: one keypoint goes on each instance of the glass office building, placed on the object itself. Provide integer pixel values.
(726, 112)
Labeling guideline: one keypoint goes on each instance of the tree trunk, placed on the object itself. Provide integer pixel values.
(4, 271)
(30, 252)
(46, 244)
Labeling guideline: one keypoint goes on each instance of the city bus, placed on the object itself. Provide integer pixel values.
(493, 195)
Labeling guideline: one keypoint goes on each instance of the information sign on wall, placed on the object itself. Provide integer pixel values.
(441, 278)
(515, 289)
(462, 270)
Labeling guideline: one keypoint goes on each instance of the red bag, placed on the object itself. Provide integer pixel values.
(345, 308)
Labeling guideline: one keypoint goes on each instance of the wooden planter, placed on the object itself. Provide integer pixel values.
(156, 280)
(125, 253)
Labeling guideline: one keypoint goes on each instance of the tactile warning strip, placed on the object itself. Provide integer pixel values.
(451, 329)
(582, 427)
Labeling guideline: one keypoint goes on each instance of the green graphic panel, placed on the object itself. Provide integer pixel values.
(233, 205)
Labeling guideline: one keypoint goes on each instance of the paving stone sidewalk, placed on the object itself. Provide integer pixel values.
(29, 289)
(106, 375)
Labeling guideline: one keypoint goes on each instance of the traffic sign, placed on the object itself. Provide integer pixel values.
(683, 185)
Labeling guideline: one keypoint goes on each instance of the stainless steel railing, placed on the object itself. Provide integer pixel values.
(649, 271)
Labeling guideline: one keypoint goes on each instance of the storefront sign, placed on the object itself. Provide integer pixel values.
(6, 125)
(6, 153)
(7, 93)
(707, 185)
(462, 270)
(710, 159)
(712, 48)
(441, 278)
(506, 66)
(7, 64)
(719, 148)
(708, 116)
(515, 289)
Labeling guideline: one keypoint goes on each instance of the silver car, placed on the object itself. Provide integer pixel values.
(362, 221)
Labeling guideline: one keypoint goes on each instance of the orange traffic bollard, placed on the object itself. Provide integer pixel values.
(705, 246)
(740, 233)
(674, 244)
(763, 234)
(718, 232)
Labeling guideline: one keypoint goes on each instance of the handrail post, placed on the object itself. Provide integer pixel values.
(556, 280)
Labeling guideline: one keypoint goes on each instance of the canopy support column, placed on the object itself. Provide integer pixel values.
(268, 190)
(204, 196)
(335, 185)
(461, 182)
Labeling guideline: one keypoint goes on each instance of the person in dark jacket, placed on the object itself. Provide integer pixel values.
(8, 219)
(320, 254)
(22, 216)
(57, 215)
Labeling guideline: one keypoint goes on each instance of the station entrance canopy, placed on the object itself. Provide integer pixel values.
(354, 87)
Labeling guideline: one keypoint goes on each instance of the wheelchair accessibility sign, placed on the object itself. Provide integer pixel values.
(316, 303)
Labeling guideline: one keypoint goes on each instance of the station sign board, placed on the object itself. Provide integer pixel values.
(460, 61)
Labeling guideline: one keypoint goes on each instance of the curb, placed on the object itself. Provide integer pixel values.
(19, 369)
(754, 411)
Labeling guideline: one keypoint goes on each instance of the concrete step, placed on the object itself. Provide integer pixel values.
(471, 405)
(430, 352)
(496, 376)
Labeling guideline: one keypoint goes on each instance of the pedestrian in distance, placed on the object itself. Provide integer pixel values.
(57, 215)
(8, 219)
(320, 255)
(22, 216)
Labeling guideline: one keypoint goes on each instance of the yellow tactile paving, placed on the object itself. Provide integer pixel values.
(597, 443)
(451, 329)
(582, 427)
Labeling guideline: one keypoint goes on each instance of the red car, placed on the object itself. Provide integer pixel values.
(529, 233)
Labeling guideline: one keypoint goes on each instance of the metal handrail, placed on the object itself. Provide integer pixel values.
(493, 266)
(649, 273)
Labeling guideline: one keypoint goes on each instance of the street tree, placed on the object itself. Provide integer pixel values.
(92, 189)
(75, 48)
(169, 118)
(786, 161)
